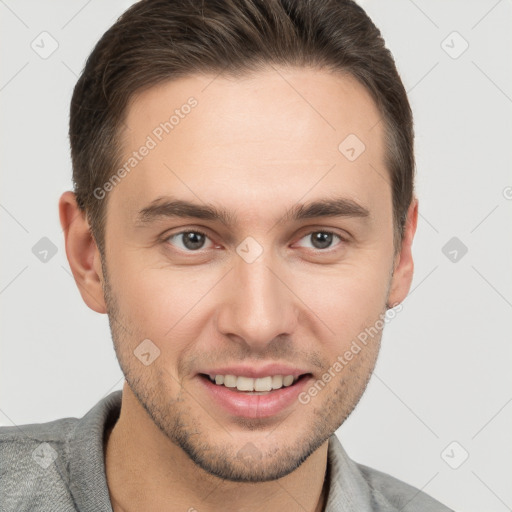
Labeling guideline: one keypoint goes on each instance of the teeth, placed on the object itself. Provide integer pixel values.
(229, 381)
(245, 384)
(263, 384)
(288, 380)
(277, 381)
(249, 384)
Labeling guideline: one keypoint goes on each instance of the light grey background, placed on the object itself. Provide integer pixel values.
(444, 371)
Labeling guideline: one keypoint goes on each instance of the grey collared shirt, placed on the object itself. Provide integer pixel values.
(59, 467)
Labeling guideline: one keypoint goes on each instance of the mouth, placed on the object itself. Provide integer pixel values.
(253, 398)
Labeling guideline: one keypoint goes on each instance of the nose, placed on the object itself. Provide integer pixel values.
(258, 305)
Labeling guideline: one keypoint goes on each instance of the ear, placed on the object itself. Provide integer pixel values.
(404, 264)
(82, 252)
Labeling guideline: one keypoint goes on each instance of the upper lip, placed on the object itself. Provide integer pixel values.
(255, 372)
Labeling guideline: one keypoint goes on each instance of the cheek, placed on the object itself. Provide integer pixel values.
(161, 304)
(346, 300)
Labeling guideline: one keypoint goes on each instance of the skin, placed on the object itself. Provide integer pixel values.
(255, 147)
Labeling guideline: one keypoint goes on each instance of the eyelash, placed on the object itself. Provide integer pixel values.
(165, 238)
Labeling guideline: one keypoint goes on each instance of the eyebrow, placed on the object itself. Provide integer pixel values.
(168, 207)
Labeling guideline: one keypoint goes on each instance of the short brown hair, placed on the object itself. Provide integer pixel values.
(160, 40)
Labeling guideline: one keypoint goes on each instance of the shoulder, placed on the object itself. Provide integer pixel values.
(33, 462)
(52, 430)
(388, 490)
(22, 441)
(58, 465)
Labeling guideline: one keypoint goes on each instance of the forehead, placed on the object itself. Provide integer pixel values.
(272, 135)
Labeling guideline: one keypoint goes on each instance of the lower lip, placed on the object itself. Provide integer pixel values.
(245, 405)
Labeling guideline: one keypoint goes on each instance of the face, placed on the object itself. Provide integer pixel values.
(245, 243)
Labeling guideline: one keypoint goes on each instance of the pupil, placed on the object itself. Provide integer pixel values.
(322, 240)
(193, 240)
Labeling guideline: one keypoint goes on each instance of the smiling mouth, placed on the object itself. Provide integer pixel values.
(254, 386)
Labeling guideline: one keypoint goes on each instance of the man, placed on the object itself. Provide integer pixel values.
(243, 210)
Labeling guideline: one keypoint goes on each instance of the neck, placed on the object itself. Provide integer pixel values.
(146, 471)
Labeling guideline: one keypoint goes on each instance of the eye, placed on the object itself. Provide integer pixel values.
(188, 241)
(321, 239)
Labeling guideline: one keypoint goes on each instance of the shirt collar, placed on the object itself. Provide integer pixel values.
(348, 490)
(88, 481)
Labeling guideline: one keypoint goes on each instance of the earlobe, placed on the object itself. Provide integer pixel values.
(82, 253)
(404, 264)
